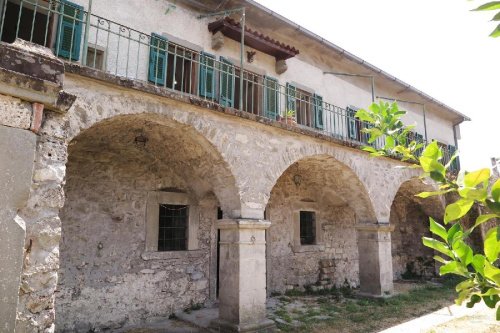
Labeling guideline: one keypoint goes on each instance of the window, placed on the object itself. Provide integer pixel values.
(172, 222)
(95, 57)
(172, 65)
(14, 14)
(271, 98)
(252, 85)
(226, 83)
(307, 228)
(173, 225)
(308, 107)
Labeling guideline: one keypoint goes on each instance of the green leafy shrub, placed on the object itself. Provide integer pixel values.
(479, 273)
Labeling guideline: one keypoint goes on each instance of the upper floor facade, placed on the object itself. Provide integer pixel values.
(289, 74)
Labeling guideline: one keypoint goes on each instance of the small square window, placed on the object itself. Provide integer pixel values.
(95, 58)
(307, 228)
(172, 233)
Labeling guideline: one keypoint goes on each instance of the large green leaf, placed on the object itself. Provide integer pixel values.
(472, 179)
(437, 245)
(494, 206)
(484, 218)
(489, 6)
(455, 230)
(473, 193)
(463, 251)
(491, 272)
(492, 244)
(495, 191)
(432, 151)
(496, 32)
(478, 263)
(438, 229)
(453, 267)
(457, 209)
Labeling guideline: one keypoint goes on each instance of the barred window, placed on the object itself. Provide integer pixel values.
(172, 233)
(307, 229)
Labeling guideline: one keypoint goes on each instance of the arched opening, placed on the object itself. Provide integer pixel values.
(138, 225)
(314, 208)
(410, 218)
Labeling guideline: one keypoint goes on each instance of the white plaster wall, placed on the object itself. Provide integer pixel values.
(161, 16)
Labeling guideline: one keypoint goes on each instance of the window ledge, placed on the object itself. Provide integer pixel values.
(308, 248)
(159, 255)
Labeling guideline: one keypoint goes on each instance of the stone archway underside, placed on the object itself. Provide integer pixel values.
(111, 169)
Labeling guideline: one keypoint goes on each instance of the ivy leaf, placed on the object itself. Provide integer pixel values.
(492, 244)
(457, 209)
(488, 6)
(438, 229)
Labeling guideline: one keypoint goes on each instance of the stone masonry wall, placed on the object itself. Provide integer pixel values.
(288, 267)
(410, 258)
(104, 279)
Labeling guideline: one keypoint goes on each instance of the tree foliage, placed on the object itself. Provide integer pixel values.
(481, 276)
(490, 6)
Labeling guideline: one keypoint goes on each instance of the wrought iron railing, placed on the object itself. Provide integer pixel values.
(91, 40)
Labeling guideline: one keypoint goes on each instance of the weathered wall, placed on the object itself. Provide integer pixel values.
(181, 22)
(410, 258)
(291, 265)
(105, 280)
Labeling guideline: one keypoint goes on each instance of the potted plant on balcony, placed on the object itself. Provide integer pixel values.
(289, 117)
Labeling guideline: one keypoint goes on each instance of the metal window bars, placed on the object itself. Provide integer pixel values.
(71, 31)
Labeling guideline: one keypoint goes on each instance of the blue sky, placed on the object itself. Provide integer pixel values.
(438, 46)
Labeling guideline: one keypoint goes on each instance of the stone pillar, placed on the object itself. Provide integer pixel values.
(16, 165)
(242, 277)
(375, 259)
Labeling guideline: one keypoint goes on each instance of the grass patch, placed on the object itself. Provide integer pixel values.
(338, 310)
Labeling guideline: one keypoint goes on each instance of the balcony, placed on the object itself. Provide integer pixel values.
(78, 36)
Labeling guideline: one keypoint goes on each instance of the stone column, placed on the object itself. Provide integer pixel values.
(375, 259)
(242, 276)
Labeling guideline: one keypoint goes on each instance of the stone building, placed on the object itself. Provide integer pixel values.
(144, 172)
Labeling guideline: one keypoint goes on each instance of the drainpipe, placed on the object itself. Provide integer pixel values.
(86, 35)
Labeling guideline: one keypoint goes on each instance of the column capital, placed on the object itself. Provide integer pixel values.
(243, 224)
(376, 227)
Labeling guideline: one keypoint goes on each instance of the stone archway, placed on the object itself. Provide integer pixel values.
(327, 190)
(410, 219)
(119, 172)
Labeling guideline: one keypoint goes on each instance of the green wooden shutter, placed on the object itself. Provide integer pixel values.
(318, 111)
(455, 165)
(226, 84)
(352, 125)
(291, 97)
(69, 30)
(419, 138)
(271, 98)
(207, 75)
(157, 59)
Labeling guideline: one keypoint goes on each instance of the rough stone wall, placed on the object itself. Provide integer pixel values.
(288, 269)
(104, 280)
(43, 230)
(410, 258)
